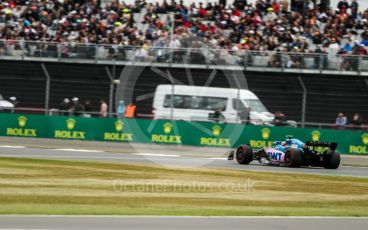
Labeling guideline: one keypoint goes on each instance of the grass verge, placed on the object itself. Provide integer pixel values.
(32, 186)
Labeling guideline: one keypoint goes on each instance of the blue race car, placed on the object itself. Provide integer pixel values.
(291, 153)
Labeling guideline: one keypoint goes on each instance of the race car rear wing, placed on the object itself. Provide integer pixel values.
(331, 145)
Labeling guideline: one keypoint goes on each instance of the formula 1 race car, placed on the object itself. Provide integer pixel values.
(290, 153)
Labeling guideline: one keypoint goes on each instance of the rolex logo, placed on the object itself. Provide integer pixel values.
(216, 130)
(265, 133)
(119, 125)
(22, 121)
(70, 123)
(168, 127)
(316, 135)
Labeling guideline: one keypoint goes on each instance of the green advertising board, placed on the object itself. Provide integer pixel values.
(172, 132)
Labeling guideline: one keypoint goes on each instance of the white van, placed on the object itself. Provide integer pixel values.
(200, 103)
(5, 104)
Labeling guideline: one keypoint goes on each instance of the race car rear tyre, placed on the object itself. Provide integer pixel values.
(244, 154)
(293, 158)
(331, 160)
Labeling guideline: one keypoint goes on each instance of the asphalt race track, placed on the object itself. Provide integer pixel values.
(175, 159)
(167, 157)
(178, 223)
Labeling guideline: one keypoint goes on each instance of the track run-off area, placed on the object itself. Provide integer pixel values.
(91, 190)
(167, 158)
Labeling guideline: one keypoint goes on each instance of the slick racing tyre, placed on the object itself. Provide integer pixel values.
(331, 160)
(244, 154)
(293, 158)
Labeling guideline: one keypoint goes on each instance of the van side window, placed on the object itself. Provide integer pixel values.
(195, 102)
(238, 105)
(180, 101)
(214, 103)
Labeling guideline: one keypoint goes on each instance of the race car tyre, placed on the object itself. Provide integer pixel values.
(244, 154)
(293, 158)
(331, 160)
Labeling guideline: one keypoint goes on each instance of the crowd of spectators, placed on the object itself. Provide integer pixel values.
(357, 122)
(270, 26)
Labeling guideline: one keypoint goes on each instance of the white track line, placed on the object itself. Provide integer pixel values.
(69, 156)
(156, 155)
(12, 146)
(181, 217)
(217, 158)
(81, 150)
(350, 166)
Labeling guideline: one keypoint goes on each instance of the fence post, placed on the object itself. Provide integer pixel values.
(111, 94)
(321, 62)
(304, 100)
(21, 44)
(47, 88)
(58, 47)
(172, 95)
(283, 60)
(245, 60)
(208, 59)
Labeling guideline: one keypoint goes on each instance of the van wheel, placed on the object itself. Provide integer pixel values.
(244, 154)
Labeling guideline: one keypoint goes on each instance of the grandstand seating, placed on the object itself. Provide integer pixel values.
(216, 38)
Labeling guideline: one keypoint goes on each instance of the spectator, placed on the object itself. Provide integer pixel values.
(341, 121)
(130, 110)
(296, 59)
(141, 54)
(76, 108)
(354, 58)
(87, 109)
(334, 45)
(285, 6)
(356, 122)
(64, 107)
(347, 47)
(362, 50)
(343, 6)
(280, 119)
(222, 2)
(324, 5)
(240, 4)
(354, 8)
(270, 16)
(276, 59)
(217, 116)
(320, 58)
(266, 25)
(345, 64)
(103, 108)
(121, 110)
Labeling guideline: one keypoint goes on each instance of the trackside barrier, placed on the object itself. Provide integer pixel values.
(176, 132)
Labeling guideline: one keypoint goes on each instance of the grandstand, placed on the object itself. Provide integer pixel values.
(300, 54)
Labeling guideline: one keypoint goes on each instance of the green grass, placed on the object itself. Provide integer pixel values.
(31, 186)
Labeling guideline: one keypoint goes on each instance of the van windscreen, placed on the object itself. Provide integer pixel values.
(195, 102)
(256, 105)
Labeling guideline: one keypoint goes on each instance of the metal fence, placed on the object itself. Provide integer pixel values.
(204, 57)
